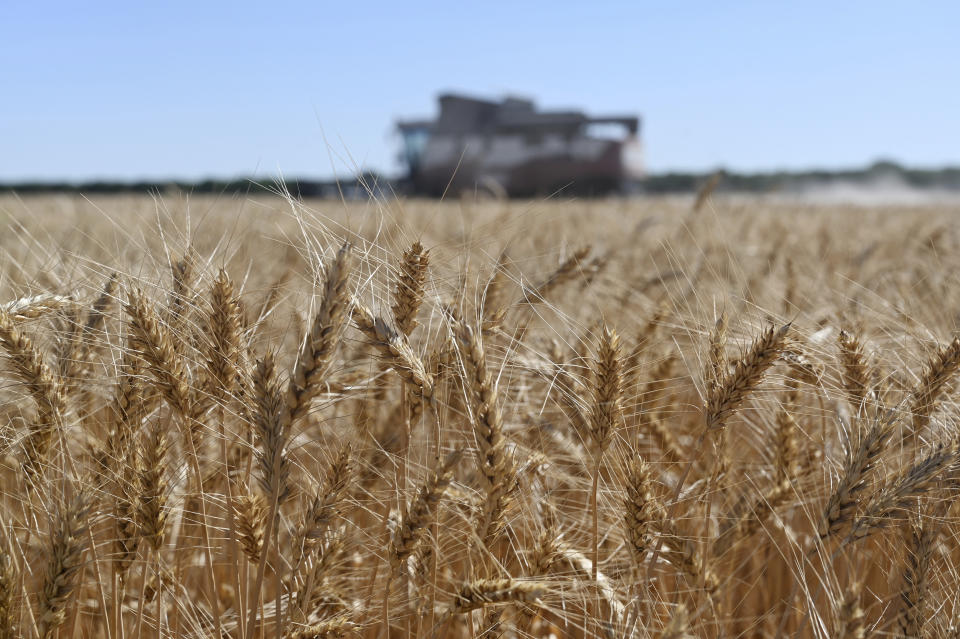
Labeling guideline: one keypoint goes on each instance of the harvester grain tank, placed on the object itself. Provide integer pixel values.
(511, 147)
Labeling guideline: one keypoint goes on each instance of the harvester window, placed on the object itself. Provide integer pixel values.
(606, 130)
(414, 143)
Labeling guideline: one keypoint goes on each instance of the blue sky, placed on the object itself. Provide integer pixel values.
(160, 90)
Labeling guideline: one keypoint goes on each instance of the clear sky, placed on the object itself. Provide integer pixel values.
(162, 90)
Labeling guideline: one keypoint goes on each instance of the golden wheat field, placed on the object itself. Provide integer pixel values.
(258, 417)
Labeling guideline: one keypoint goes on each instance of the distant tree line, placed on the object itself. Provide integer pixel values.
(663, 183)
(354, 187)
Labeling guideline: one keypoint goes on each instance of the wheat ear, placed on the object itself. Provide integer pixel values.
(155, 344)
(483, 394)
(483, 592)
(749, 517)
(494, 304)
(395, 350)
(480, 593)
(132, 400)
(606, 415)
(726, 397)
(250, 515)
(495, 464)
(607, 407)
(68, 541)
(643, 512)
(785, 445)
(128, 491)
(851, 618)
(566, 272)
(408, 290)
(8, 586)
(678, 625)
(222, 347)
(313, 363)
(734, 388)
(854, 368)
(28, 367)
(96, 317)
(27, 308)
(78, 340)
(685, 555)
(413, 526)
(336, 628)
(859, 463)
(271, 424)
(916, 575)
(785, 448)
(178, 304)
(544, 557)
(152, 503)
(895, 496)
(718, 352)
(325, 506)
(936, 379)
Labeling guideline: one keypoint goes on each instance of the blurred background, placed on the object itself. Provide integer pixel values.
(225, 93)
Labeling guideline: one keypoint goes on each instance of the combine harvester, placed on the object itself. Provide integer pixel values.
(509, 148)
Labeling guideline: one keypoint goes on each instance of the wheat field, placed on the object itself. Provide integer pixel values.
(260, 417)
